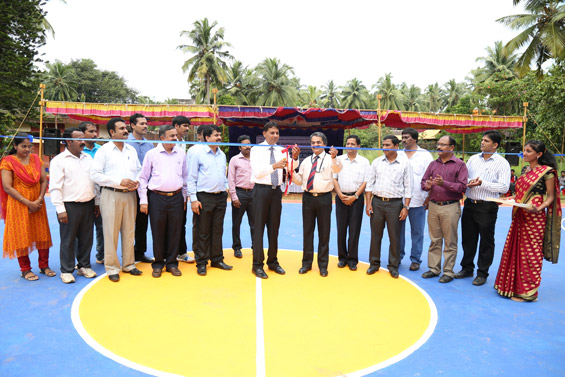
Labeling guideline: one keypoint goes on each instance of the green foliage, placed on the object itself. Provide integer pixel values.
(226, 99)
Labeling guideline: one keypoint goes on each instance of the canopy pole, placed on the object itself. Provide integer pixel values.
(41, 105)
(524, 120)
(379, 97)
(463, 147)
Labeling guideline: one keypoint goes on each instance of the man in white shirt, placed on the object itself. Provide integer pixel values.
(419, 159)
(389, 181)
(316, 177)
(349, 186)
(73, 195)
(267, 164)
(489, 177)
(115, 169)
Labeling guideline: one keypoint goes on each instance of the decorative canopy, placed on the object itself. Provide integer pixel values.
(255, 116)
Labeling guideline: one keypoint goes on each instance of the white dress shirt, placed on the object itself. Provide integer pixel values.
(391, 180)
(262, 167)
(325, 169)
(69, 180)
(112, 165)
(494, 173)
(353, 174)
(419, 163)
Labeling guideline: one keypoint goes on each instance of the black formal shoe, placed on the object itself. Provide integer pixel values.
(278, 269)
(393, 273)
(201, 270)
(341, 264)
(479, 280)
(260, 273)
(429, 274)
(144, 259)
(156, 273)
(464, 274)
(353, 267)
(445, 278)
(304, 270)
(237, 253)
(414, 267)
(174, 271)
(221, 266)
(372, 269)
(323, 272)
(115, 278)
(134, 272)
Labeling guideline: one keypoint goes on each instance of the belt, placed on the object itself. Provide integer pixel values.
(266, 186)
(348, 193)
(211, 193)
(165, 193)
(115, 189)
(444, 203)
(386, 199)
(478, 201)
(317, 193)
(244, 189)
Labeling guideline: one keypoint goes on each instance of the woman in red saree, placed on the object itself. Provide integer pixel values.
(535, 232)
(23, 187)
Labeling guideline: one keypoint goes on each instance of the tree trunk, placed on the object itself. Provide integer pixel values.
(207, 83)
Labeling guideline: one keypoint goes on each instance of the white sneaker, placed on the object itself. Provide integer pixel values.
(67, 278)
(87, 272)
(186, 258)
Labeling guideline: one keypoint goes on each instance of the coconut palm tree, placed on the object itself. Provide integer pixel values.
(59, 82)
(453, 92)
(498, 64)
(237, 84)
(412, 96)
(354, 95)
(330, 95)
(208, 63)
(310, 97)
(542, 32)
(391, 94)
(432, 96)
(273, 85)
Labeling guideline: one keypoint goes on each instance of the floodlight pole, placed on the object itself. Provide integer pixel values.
(379, 97)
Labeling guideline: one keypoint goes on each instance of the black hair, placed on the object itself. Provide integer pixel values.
(84, 125)
(180, 119)
(208, 131)
(164, 128)
(201, 128)
(270, 125)
(18, 139)
(111, 125)
(243, 137)
(547, 158)
(133, 118)
(394, 139)
(320, 135)
(494, 136)
(451, 139)
(410, 131)
(357, 139)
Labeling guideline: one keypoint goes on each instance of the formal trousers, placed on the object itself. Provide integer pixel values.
(141, 224)
(349, 217)
(267, 209)
(183, 247)
(165, 216)
(246, 200)
(417, 218)
(118, 218)
(316, 210)
(442, 228)
(76, 236)
(99, 237)
(210, 224)
(385, 213)
(478, 219)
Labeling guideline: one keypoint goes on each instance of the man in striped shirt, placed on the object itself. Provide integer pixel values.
(489, 177)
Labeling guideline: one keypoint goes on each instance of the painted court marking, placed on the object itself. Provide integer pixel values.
(346, 324)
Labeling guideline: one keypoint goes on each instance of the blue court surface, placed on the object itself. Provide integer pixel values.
(478, 333)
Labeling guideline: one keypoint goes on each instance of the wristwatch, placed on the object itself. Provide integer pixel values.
(355, 195)
(406, 207)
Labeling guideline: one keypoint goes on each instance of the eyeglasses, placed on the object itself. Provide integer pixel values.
(443, 145)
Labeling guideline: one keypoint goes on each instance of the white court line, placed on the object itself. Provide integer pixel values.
(260, 337)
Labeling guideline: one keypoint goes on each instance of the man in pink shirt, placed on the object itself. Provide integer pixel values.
(240, 187)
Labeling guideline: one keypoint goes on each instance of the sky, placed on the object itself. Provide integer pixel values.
(418, 42)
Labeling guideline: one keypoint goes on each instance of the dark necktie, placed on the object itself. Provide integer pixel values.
(275, 174)
(310, 184)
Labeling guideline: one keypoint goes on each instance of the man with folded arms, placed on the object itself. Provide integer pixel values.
(446, 180)
(73, 195)
(162, 195)
(389, 181)
(115, 170)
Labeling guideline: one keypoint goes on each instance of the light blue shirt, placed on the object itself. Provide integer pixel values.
(92, 151)
(140, 148)
(206, 172)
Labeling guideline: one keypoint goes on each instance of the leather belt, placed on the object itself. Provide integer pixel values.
(116, 189)
(447, 202)
(386, 199)
(244, 189)
(316, 193)
(165, 193)
(267, 186)
(478, 201)
(348, 193)
(211, 193)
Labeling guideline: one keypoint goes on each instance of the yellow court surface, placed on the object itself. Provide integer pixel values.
(230, 323)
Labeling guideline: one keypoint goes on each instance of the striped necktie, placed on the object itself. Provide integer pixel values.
(275, 174)
(310, 184)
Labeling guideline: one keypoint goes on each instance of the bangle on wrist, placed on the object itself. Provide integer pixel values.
(356, 196)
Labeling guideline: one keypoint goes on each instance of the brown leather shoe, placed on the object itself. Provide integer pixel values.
(174, 271)
(156, 273)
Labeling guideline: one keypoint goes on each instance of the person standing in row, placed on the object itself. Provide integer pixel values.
(162, 195)
(138, 124)
(115, 170)
(419, 159)
(207, 187)
(446, 180)
(489, 177)
(241, 192)
(316, 177)
(349, 186)
(73, 195)
(267, 165)
(389, 181)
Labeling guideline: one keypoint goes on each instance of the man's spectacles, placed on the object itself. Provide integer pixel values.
(443, 145)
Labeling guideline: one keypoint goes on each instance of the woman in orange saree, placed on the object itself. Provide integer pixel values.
(23, 187)
(535, 232)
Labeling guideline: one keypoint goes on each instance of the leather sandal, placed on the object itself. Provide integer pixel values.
(48, 272)
(29, 276)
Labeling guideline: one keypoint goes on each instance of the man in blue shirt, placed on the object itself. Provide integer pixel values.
(207, 188)
(138, 124)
